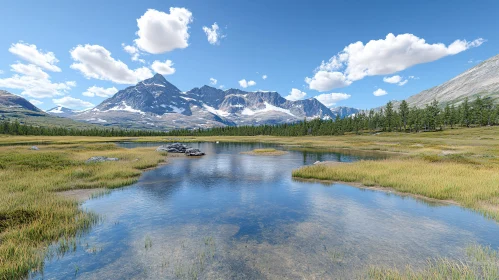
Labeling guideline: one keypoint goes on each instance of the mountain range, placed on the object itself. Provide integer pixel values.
(157, 104)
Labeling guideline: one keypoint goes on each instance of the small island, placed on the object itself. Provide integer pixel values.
(265, 152)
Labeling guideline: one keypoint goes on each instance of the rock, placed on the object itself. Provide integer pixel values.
(193, 152)
(172, 148)
(34, 148)
(317, 162)
(100, 159)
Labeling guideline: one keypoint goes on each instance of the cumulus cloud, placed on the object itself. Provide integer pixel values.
(264, 77)
(163, 68)
(160, 32)
(29, 70)
(386, 56)
(36, 87)
(324, 80)
(133, 51)
(213, 81)
(213, 34)
(395, 80)
(35, 102)
(71, 102)
(221, 86)
(330, 99)
(243, 83)
(95, 61)
(295, 94)
(380, 92)
(100, 91)
(35, 56)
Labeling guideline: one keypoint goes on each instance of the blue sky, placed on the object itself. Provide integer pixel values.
(285, 40)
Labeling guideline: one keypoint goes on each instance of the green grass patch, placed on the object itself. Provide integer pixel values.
(32, 216)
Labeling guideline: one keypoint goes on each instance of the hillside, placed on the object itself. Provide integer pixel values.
(483, 80)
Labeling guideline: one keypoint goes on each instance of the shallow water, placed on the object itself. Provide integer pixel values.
(233, 216)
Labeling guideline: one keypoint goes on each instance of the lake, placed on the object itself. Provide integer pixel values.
(233, 216)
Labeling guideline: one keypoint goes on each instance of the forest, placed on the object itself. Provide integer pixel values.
(433, 117)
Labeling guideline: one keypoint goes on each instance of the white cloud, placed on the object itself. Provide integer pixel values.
(221, 86)
(35, 102)
(133, 51)
(71, 102)
(295, 94)
(413, 77)
(163, 68)
(31, 54)
(243, 83)
(36, 87)
(392, 80)
(384, 57)
(380, 92)
(403, 82)
(323, 80)
(330, 99)
(264, 77)
(100, 91)
(1, 72)
(29, 70)
(213, 81)
(160, 32)
(395, 80)
(213, 34)
(95, 61)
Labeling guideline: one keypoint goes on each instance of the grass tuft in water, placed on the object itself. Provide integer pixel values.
(482, 263)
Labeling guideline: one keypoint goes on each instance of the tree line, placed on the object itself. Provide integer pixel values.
(17, 128)
(479, 112)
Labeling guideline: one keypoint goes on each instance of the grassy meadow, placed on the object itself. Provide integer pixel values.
(33, 216)
(461, 165)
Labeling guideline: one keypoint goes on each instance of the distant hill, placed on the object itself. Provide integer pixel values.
(483, 80)
(9, 101)
(60, 111)
(14, 107)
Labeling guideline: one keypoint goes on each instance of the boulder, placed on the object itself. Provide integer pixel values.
(172, 148)
(193, 152)
(34, 148)
(100, 159)
(317, 162)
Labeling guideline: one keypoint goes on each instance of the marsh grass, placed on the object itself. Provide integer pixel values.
(32, 217)
(481, 263)
(471, 185)
(266, 152)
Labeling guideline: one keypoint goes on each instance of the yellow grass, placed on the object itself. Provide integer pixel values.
(32, 216)
(265, 152)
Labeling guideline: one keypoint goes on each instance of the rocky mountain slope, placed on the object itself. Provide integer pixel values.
(9, 101)
(483, 80)
(157, 104)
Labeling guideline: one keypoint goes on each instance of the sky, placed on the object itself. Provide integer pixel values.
(344, 53)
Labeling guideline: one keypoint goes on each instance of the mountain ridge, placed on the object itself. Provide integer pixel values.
(156, 103)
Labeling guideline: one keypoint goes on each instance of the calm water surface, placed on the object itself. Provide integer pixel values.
(233, 216)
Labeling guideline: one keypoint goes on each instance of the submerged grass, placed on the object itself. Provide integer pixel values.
(265, 152)
(32, 216)
(481, 263)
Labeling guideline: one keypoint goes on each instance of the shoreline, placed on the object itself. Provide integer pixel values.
(382, 189)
